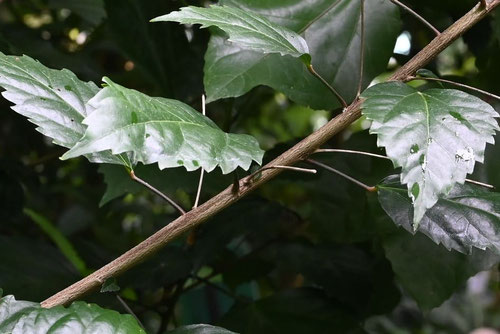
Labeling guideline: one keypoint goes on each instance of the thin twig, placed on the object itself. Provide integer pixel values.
(411, 78)
(129, 310)
(335, 150)
(228, 196)
(338, 150)
(420, 18)
(333, 170)
(202, 173)
(296, 169)
(337, 95)
(156, 191)
(215, 286)
(362, 47)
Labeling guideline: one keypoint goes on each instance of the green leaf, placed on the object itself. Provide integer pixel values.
(161, 130)
(295, 311)
(435, 136)
(331, 29)
(468, 217)
(54, 100)
(17, 317)
(445, 271)
(110, 285)
(200, 329)
(249, 30)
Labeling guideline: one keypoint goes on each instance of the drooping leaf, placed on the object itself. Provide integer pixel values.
(445, 271)
(161, 130)
(200, 329)
(248, 30)
(292, 312)
(91, 10)
(54, 100)
(37, 270)
(330, 28)
(468, 217)
(436, 136)
(17, 317)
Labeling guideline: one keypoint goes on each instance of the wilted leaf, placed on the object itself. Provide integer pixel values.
(330, 28)
(468, 217)
(19, 317)
(161, 130)
(436, 136)
(249, 30)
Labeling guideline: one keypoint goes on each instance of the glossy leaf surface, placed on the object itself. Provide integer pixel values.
(161, 130)
(435, 136)
(246, 29)
(468, 217)
(18, 317)
(332, 32)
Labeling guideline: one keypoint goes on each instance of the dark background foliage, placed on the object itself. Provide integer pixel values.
(305, 253)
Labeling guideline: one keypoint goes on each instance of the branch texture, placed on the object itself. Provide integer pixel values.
(297, 153)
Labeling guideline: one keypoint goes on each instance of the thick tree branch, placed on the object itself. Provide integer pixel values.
(297, 153)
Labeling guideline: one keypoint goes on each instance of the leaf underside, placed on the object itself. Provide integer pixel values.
(163, 131)
(435, 136)
(18, 317)
(467, 217)
(246, 29)
(54, 100)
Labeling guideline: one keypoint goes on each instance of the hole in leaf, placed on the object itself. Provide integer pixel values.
(414, 149)
(180, 162)
(195, 163)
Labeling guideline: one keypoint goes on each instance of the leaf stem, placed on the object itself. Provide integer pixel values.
(486, 185)
(412, 78)
(333, 170)
(296, 169)
(129, 310)
(337, 95)
(338, 150)
(362, 47)
(156, 191)
(415, 14)
(202, 173)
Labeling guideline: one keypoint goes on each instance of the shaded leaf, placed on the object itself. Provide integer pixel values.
(440, 272)
(468, 217)
(200, 329)
(17, 317)
(161, 130)
(436, 136)
(54, 100)
(110, 285)
(292, 311)
(37, 270)
(91, 10)
(330, 28)
(246, 29)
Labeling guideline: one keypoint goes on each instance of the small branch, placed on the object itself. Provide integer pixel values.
(156, 191)
(338, 150)
(362, 48)
(129, 310)
(333, 170)
(411, 78)
(337, 95)
(420, 18)
(200, 183)
(486, 185)
(296, 169)
(216, 287)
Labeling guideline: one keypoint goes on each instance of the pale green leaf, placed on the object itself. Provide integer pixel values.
(246, 29)
(54, 100)
(21, 317)
(163, 131)
(468, 217)
(435, 136)
(332, 32)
